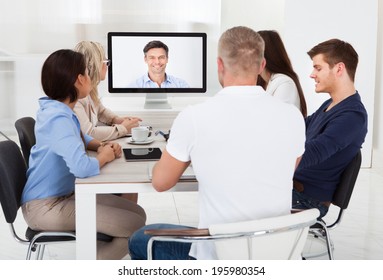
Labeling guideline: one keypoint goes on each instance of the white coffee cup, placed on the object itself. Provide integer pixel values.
(140, 133)
(141, 152)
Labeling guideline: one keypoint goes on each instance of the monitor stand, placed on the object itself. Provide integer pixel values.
(157, 101)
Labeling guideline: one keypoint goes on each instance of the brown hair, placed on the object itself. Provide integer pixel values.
(278, 61)
(156, 45)
(60, 72)
(335, 51)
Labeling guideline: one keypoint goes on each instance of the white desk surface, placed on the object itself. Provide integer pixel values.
(118, 176)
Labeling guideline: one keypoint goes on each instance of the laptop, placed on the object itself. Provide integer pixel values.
(186, 176)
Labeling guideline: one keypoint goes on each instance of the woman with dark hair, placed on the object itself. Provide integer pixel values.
(59, 157)
(279, 78)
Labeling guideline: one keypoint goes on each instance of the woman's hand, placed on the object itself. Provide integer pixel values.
(105, 154)
(129, 123)
(120, 120)
(116, 148)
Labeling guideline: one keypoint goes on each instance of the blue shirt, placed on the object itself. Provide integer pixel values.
(333, 138)
(59, 155)
(170, 82)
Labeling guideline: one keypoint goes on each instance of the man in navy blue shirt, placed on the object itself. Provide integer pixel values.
(335, 132)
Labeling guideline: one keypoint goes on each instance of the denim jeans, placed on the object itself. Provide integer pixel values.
(161, 250)
(302, 201)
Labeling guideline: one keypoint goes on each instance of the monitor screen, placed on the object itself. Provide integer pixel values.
(183, 67)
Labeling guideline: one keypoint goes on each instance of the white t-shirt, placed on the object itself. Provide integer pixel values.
(243, 145)
(284, 88)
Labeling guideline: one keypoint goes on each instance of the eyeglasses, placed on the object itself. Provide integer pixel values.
(107, 62)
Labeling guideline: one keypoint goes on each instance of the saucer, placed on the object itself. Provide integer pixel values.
(147, 141)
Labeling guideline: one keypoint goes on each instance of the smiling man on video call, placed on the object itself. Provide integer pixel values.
(156, 57)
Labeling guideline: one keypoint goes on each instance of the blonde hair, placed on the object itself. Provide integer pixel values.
(94, 54)
(242, 49)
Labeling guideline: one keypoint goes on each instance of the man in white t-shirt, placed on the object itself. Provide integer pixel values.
(243, 144)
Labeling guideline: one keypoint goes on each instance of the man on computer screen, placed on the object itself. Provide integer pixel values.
(156, 57)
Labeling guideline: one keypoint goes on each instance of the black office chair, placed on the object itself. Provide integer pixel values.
(25, 128)
(340, 199)
(12, 181)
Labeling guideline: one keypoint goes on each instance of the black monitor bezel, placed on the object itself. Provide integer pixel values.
(202, 89)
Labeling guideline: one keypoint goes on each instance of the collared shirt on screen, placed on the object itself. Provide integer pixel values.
(170, 82)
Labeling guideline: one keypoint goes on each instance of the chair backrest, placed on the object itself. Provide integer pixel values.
(279, 238)
(12, 178)
(345, 188)
(26, 130)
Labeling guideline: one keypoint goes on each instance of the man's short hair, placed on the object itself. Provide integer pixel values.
(242, 49)
(335, 51)
(156, 45)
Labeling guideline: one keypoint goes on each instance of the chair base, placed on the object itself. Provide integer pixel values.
(321, 235)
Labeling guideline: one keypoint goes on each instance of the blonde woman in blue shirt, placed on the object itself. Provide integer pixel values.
(59, 157)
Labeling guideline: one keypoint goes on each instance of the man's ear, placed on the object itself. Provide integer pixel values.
(220, 64)
(340, 68)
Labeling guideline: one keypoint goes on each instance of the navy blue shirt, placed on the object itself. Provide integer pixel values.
(333, 138)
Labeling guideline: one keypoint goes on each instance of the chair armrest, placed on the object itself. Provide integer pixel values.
(178, 232)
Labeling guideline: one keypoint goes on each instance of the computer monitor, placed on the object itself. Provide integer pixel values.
(185, 66)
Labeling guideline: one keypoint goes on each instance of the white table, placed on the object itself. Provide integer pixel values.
(118, 176)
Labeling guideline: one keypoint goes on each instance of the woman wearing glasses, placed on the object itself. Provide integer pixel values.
(89, 110)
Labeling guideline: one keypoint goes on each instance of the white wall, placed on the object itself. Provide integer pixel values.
(378, 114)
(257, 14)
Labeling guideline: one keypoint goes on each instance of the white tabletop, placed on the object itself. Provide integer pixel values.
(118, 176)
